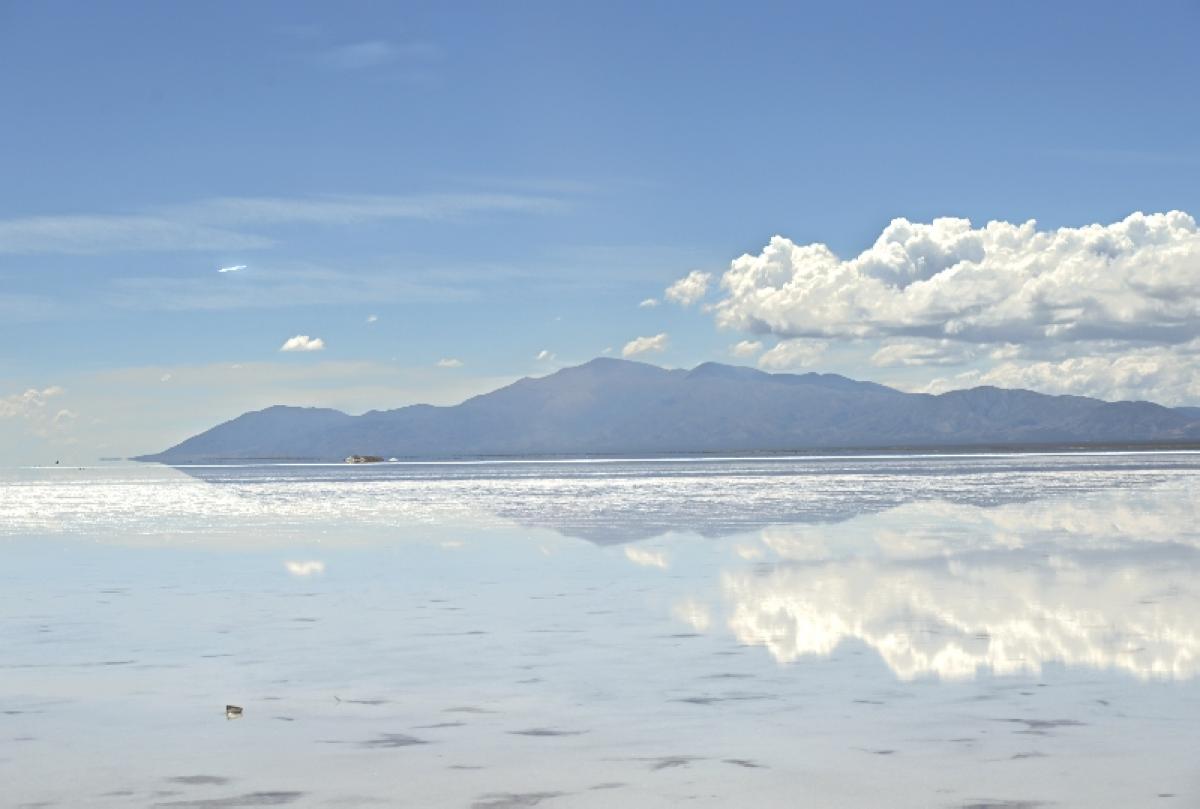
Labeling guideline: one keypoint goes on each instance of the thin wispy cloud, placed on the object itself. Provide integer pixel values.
(649, 303)
(449, 362)
(234, 268)
(223, 223)
(545, 355)
(282, 287)
(94, 234)
(376, 53)
(645, 345)
(302, 342)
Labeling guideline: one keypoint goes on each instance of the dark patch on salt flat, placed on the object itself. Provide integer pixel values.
(237, 801)
(513, 800)
(198, 780)
(467, 709)
(995, 804)
(546, 732)
(466, 767)
(1030, 754)
(391, 740)
(362, 701)
(442, 725)
(284, 718)
(743, 762)
(868, 702)
(608, 785)
(670, 762)
(727, 676)
(705, 700)
(1042, 727)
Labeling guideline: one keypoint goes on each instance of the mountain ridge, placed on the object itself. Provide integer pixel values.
(621, 407)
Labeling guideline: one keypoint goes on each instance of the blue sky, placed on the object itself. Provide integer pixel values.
(494, 182)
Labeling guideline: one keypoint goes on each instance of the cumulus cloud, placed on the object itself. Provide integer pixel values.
(789, 354)
(643, 345)
(36, 408)
(746, 348)
(1009, 304)
(302, 342)
(1130, 280)
(1169, 375)
(649, 303)
(689, 289)
(923, 352)
(449, 362)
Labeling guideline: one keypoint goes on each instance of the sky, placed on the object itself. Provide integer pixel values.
(419, 202)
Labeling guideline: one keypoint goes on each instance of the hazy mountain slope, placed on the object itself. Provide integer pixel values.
(611, 406)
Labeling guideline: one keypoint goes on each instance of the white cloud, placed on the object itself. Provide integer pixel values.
(372, 318)
(642, 345)
(1131, 280)
(788, 354)
(646, 558)
(923, 352)
(449, 362)
(545, 355)
(36, 408)
(234, 268)
(165, 378)
(689, 289)
(746, 348)
(1167, 375)
(649, 303)
(302, 342)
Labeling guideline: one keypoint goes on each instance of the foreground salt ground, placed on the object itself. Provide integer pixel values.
(972, 632)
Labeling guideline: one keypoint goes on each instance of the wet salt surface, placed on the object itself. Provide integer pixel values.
(990, 631)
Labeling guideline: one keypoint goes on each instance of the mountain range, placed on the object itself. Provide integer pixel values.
(619, 407)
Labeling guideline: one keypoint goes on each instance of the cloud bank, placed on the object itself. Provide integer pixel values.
(1047, 305)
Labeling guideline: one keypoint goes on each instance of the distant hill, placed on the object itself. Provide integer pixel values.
(618, 407)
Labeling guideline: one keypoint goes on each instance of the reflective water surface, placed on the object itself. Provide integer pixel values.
(1012, 631)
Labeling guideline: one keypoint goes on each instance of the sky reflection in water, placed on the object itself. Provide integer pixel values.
(789, 616)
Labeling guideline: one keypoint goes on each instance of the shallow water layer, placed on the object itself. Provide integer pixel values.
(1010, 631)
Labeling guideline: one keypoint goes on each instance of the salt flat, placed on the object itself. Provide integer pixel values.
(994, 630)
